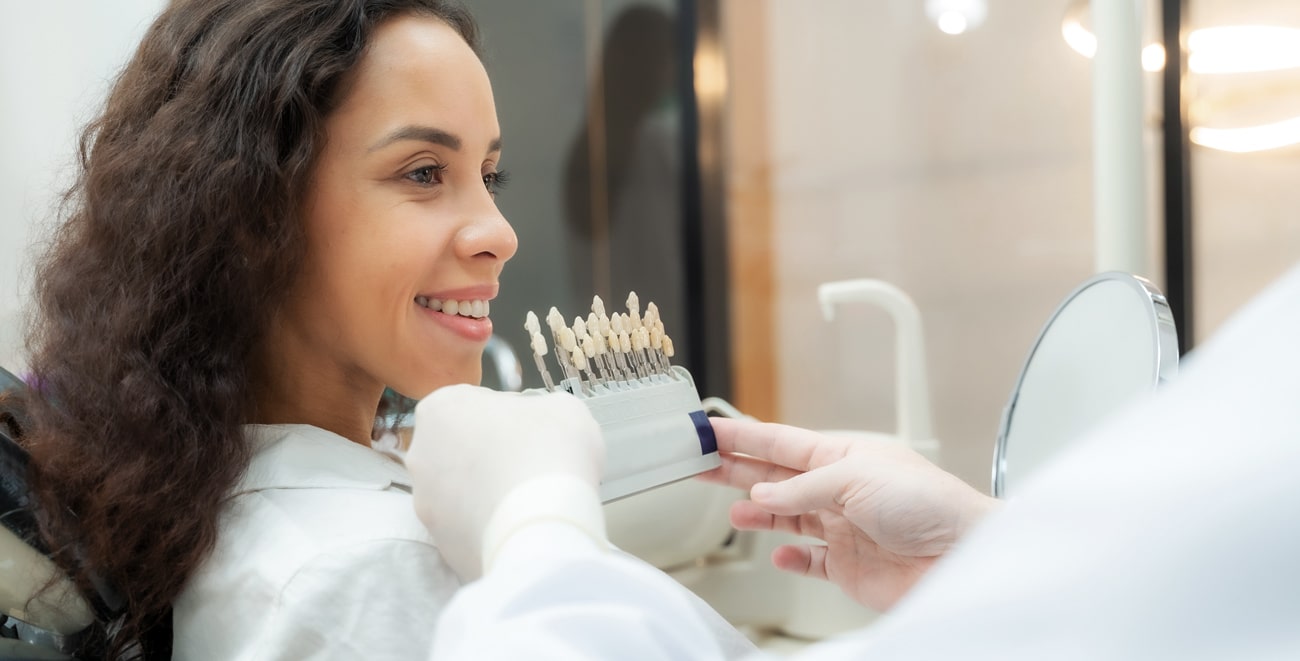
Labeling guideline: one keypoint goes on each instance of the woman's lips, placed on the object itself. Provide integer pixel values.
(474, 329)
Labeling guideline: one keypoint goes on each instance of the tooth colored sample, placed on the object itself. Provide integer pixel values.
(567, 340)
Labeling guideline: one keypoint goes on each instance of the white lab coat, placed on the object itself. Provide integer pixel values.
(1172, 532)
(319, 556)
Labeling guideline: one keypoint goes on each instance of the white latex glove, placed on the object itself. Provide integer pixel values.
(485, 464)
(884, 511)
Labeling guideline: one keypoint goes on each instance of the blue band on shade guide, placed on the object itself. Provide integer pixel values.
(708, 442)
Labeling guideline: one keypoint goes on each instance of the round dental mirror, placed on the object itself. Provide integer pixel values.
(1111, 341)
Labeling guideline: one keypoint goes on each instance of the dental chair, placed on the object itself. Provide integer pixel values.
(61, 620)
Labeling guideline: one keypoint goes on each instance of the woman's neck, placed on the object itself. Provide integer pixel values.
(292, 385)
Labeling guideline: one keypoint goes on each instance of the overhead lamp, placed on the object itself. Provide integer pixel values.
(1251, 138)
(956, 16)
(1215, 51)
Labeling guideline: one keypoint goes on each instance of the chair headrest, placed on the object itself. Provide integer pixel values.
(17, 506)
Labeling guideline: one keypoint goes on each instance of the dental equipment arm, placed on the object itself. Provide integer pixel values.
(911, 384)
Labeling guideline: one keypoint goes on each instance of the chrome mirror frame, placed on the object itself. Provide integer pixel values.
(1164, 340)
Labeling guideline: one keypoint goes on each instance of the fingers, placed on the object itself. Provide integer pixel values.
(822, 488)
(803, 559)
(792, 447)
(742, 472)
(745, 515)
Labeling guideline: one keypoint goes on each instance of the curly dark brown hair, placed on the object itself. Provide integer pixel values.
(181, 231)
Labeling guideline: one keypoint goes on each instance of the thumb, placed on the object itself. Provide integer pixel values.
(818, 489)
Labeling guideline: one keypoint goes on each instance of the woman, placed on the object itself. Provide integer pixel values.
(286, 206)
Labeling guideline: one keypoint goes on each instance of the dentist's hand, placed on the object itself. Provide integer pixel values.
(473, 447)
(885, 513)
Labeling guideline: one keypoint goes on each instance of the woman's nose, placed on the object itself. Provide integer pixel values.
(488, 235)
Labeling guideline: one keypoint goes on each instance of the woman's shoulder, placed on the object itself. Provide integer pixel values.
(315, 526)
(336, 567)
(308, 492)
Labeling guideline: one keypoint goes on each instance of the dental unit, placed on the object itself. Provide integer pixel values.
(650, 414)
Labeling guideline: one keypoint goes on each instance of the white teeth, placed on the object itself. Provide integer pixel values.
(431, 303)
(474, 309)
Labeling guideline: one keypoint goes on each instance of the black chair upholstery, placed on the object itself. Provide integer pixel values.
(20, 639)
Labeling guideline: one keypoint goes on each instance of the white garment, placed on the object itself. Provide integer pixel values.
(319, 556)
(1172, 532)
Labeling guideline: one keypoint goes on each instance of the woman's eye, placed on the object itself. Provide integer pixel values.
(427, 175)
(495, 181)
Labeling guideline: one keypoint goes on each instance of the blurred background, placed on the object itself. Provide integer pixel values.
(724, 157)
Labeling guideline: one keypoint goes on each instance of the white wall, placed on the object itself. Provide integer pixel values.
(57, 58)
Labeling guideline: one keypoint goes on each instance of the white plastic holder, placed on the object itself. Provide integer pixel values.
(655, 429)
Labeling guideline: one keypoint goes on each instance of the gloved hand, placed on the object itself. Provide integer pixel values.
(485, 463)
(885, 513)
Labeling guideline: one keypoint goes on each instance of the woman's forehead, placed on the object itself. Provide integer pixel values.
(418, 70)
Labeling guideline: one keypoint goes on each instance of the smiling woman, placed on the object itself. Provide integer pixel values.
(399, 211)
(286, 207)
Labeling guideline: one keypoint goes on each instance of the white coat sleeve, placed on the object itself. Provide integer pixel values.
(553, 593)
(1170, 533)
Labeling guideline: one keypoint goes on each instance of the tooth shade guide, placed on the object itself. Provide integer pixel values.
(603, 353)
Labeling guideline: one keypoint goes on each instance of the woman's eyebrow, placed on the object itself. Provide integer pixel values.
(421, 133)
(427, 134)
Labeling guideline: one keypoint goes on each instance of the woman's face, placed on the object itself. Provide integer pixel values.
(401, 222)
